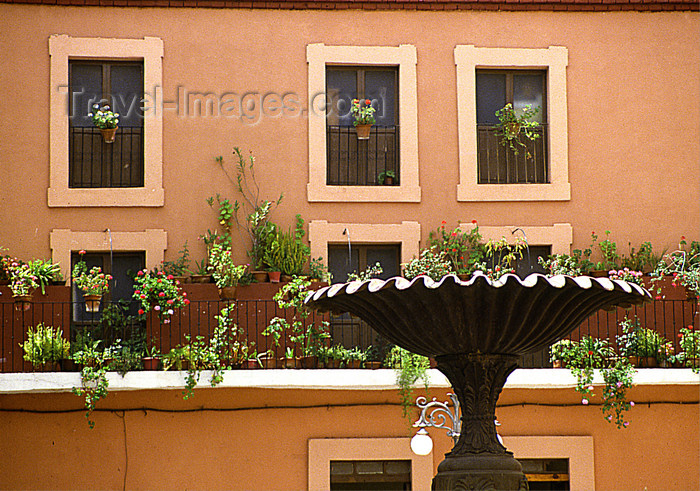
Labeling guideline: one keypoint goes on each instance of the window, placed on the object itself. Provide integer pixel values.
(94, 163)
(341, 169)
(487, 78)
(70, 189)
(498, 163)
(546, 474)
(121, 265)
(529, 263)
(352, 161)
(367, 475)
(345, 329)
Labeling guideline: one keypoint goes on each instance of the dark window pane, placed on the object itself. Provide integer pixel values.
(529, 262)
(527, 90)
(86, 86)
(388, 257)
(341, 87)
(126, 94)
(380, 89)
(490, 96)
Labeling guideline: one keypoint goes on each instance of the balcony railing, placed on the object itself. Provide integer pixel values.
(499, 164)
(666, 317)
(96, 164)
(353, 162)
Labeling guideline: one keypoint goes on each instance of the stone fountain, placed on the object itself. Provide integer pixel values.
(476, 330)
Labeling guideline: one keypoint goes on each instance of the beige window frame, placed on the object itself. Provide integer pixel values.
(322, 451)
(63, 48)
(554, 60)
(322, 233)
(319, 56)
(64, 241)
(578, 449)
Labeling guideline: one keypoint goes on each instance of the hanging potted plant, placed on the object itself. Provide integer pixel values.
(159, 292)
(510, 126)
(364, 117)
(93, 283)
(106, 120)
(227, 275)
(23, 281)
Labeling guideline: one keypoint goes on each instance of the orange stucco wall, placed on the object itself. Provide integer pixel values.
(633, 117)
(227, 438)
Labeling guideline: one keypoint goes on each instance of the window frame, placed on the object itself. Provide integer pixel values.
(149, 50)
(318, 57)
(554, 60)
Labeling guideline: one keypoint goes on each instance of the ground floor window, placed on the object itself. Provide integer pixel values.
(546, 474)
(370, 475)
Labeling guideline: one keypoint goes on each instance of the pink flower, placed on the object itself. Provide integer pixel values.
(161, 294)
(170, 277)
(143, 296)
(619, 384)
(625, 424)
(81, 252)
(137, 292)
(584, 402)
(170, 302)
(157, 307)
(632, 403)
(187, 301)
(140, 273)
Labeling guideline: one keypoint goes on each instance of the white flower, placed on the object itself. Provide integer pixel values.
(170, 312)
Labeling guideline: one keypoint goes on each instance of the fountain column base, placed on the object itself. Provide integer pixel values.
(478, 460)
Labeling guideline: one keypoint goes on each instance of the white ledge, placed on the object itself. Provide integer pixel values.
(543, 378)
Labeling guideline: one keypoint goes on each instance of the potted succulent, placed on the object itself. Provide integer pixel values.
(364, 117)
(45, 347)
(94, 283)
(227, 275)
(386, 178)
(159, 292)
(106, 120)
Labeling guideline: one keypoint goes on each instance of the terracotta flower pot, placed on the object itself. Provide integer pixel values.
(108, 134)
(260, 276)
(363, 131)
(92, 302)
(22, 302)
(227, 293)
(151, 363)
(200, 278)
(274, 276)
(308, 361)
(643, 361)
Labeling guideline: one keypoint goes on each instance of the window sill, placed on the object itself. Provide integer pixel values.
(514, 192)
(98, 197)
(364, 194)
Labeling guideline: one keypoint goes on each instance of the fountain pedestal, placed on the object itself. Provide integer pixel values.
(478, 460)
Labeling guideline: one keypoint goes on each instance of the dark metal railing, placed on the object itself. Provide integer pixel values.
(354, 162)
(666, 317)
(499, 164)
(97, 164)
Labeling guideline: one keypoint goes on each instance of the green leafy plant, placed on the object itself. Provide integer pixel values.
(683, 265)
(381, 178)
(286, 251)
(45, 344)
(690, 347)
(93, 282)
(93, 375)
(224, 270)
(160, 292)
(636, 340)
(557, 264)
(256, 212)
(180, 266)
(369, 273)
(44, 271)
(362, 111)
(464, 250)
(618, 380)
(103, 117)
(501, 256)
(409, 368)
(511, 126)
(318, 270)
(432, 263)
(564, 351)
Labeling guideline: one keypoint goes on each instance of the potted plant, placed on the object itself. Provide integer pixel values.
(158, 292)
(286, 251)
(364, 117)
(562, 353)
(690, 347)
(180, 266)
(227, 275)
(44, 272)
(94, 283)
(45, 347)
(23, 281)
(386, 178)
(318, 271)
(510, 126)
(684, 268)
(106, 120)
(153, 355)
(640, 345)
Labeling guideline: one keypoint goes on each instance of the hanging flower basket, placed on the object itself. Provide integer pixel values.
(108, 134)
(92, 302)
(363, 131)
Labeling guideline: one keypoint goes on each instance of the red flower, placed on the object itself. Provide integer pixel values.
(184, 294)
(161, 294)
(368, 102)
(170, 302)
(187, 302)
(682, 237)
(140, 273)
(143, 296)
(141, 312)
(137, 292)
(81, 252)
(590, 352)
(170, 277)
(474, 221)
